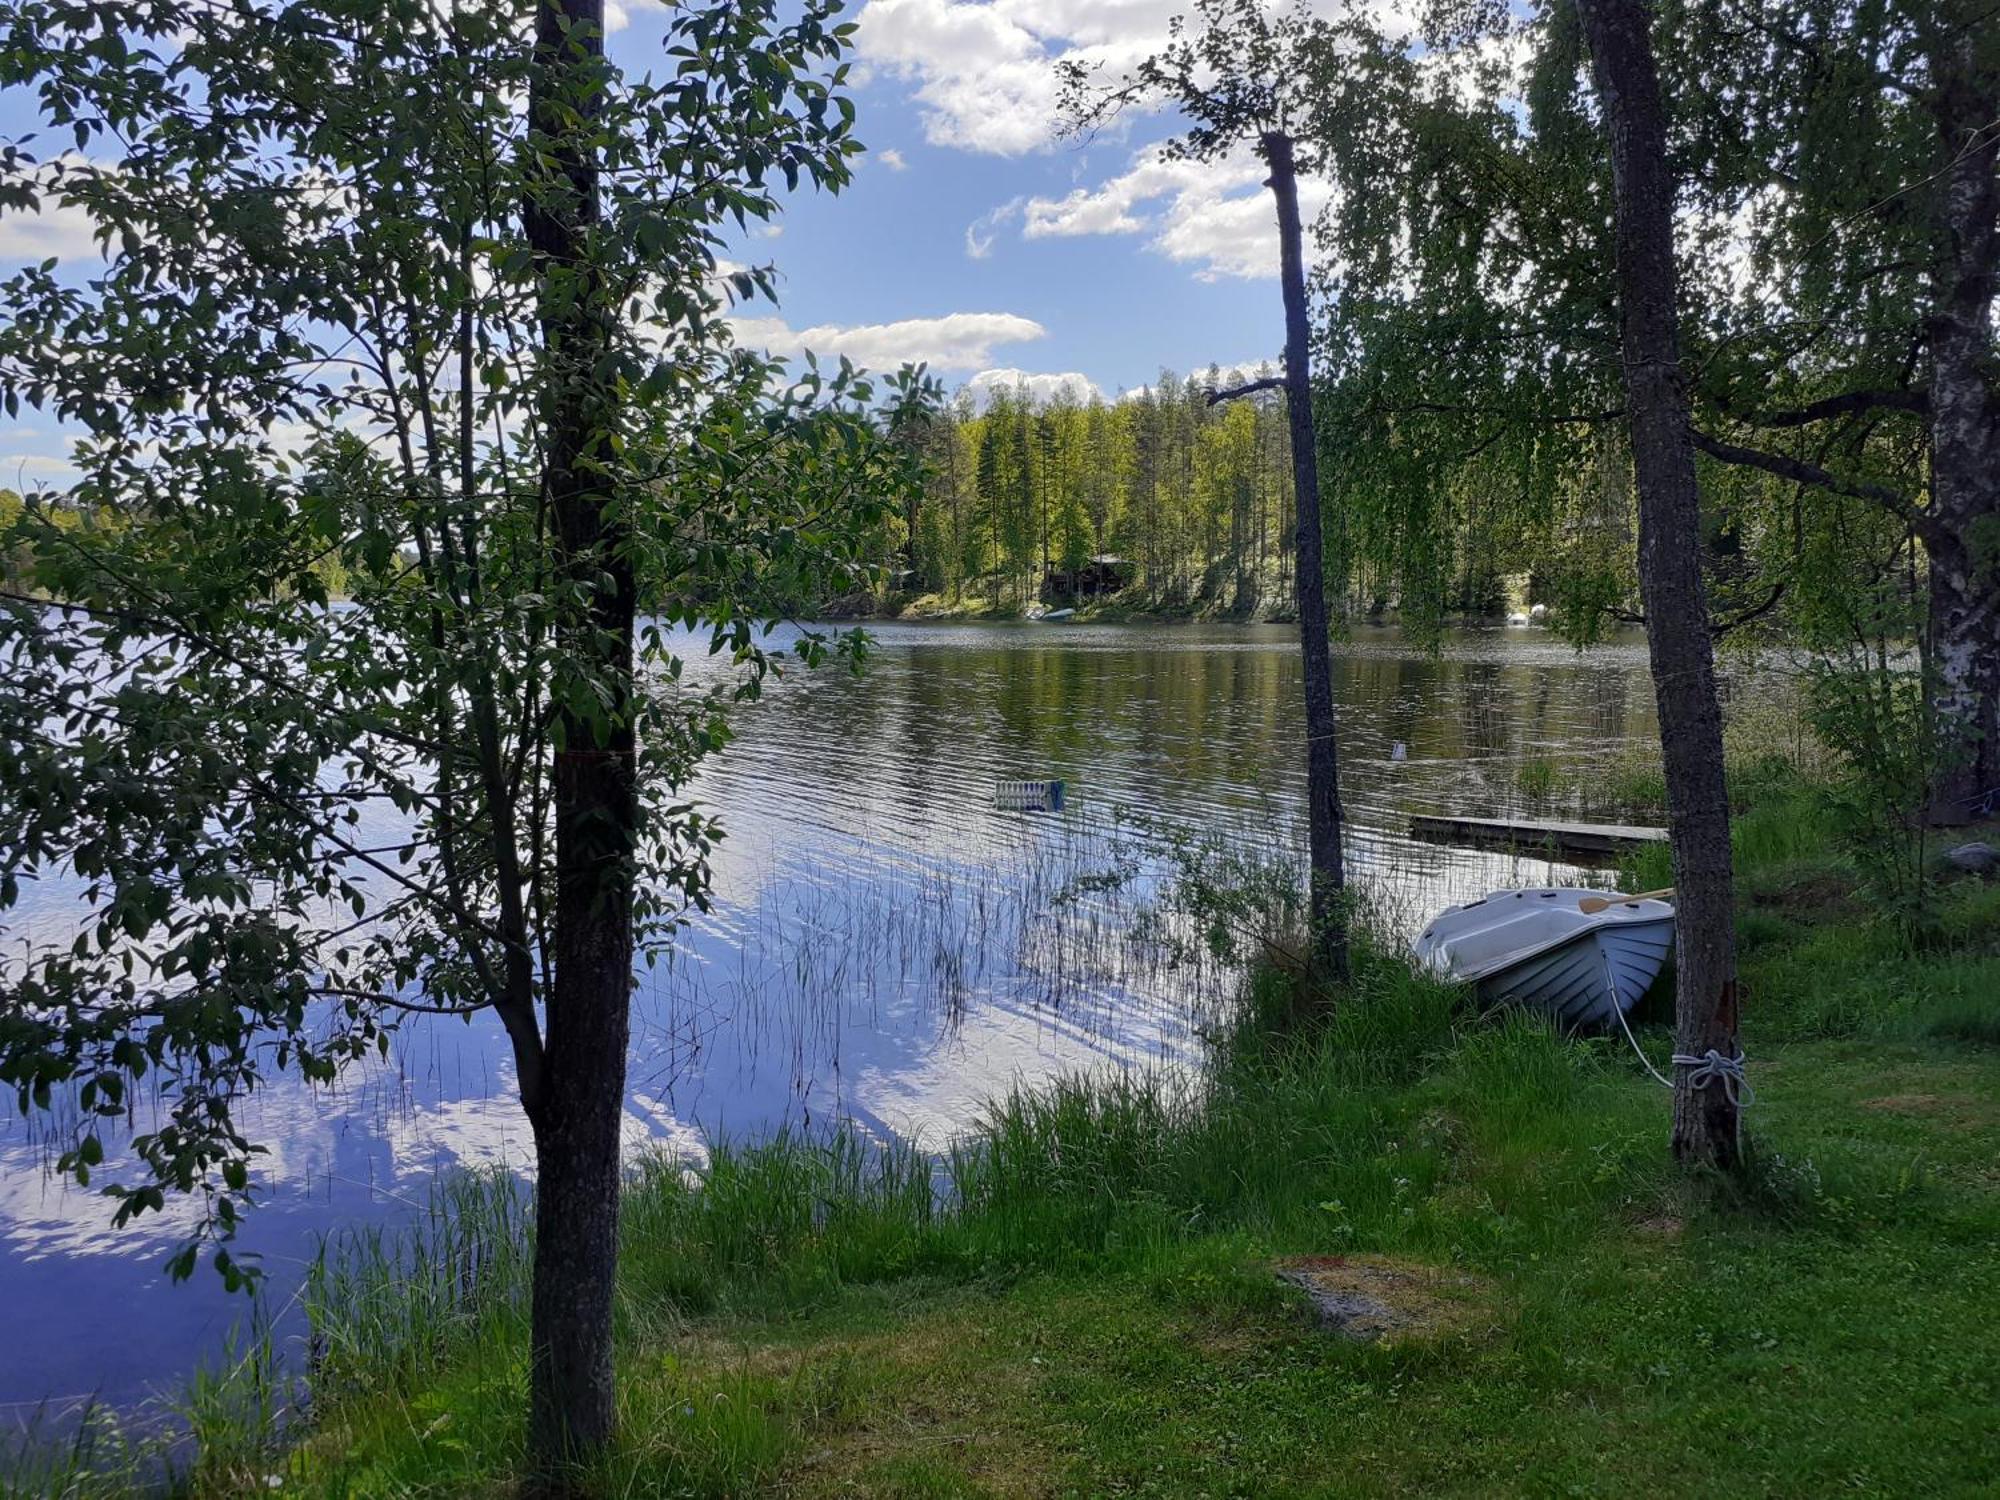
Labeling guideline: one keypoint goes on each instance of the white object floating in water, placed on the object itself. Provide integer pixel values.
(1399, 751)
(1028, 796)
(1517, 618)
(1057, 614)
(1537, 948)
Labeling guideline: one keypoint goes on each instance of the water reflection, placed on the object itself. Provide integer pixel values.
(886, 946)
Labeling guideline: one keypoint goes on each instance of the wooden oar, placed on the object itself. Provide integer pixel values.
(1590, 906)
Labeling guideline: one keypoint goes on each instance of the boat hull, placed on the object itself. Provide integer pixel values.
(1590, 980)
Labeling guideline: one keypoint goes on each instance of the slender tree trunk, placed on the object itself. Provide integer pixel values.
(580, 1102)
(1327, 879)
(1963, 535)
(1677, 628)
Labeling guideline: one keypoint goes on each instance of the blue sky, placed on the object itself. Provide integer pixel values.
(969, 206)
(971, 237)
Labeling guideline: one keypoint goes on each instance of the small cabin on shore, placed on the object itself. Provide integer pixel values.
(1103, 574)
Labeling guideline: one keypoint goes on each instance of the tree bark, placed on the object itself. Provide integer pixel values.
(1962, 536)
(1327, 878)
(580, 1103)
(1706, 1126)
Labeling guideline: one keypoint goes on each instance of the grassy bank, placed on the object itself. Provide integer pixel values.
(1080, 1300)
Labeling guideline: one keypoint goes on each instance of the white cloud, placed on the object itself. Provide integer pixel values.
(985, 70)
(984, 76)
(26, 468)
(957, 341)
(1042, 387)
(892, 159)
(1217, 216)
(618, 13)
(57, 229)
(1109, 207)
(65, 233)
(984, 81)
(981, 232)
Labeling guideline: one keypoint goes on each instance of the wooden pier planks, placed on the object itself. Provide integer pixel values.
(1564, 840)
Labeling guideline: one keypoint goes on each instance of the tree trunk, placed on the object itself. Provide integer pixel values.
(1327, 879)
(1677, 629)
(1963, 537)
(579, 1105)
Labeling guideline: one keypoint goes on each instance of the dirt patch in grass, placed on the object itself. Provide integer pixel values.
(1661, 1226)
(1957, 1112)
(1375, 1299)
(1906, 1104)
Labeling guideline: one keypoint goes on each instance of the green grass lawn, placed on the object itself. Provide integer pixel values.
(1832, 1332)
(1096, 1314)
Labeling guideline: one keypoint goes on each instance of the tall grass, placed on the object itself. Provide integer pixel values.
(220, 1434)
(1282, 1137)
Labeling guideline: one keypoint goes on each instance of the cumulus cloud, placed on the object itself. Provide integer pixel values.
(984, 76)
(984, 71)
(957, 341)
(893, 159)
(65, 233)
(982, 231)
(1043, 387)
(984, 81)
(1215, 216)
(618, 13)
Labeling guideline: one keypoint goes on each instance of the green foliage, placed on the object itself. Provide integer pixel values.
(322, 356)
(1470, 343)
(1878, 717)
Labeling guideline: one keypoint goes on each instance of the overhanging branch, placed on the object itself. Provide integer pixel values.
(1835, 406)
(1268, 383)
(1801, 472)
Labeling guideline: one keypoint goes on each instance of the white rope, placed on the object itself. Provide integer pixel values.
(1618, 1010)
(1710, 1067)
(1713, 1067)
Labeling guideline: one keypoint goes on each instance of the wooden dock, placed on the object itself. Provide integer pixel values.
(1579, 841)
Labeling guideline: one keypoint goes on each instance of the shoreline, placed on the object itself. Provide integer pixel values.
(1092, 1305)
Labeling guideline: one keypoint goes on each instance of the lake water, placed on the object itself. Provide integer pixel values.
(886, 946)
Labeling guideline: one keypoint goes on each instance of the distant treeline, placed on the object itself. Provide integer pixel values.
(1168, 500)
(1031, 496)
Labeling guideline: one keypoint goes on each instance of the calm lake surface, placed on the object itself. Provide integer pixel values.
(886, 946)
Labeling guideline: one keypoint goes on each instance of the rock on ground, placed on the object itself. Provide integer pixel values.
(1974, 859)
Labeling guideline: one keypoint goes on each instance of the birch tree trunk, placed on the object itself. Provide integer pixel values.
(1962, 538)
(1706, 1126)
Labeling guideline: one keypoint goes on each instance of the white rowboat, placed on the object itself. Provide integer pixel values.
(1536, 948)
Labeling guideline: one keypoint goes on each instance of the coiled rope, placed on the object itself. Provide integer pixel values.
(1713, 1067)
(1710, 1067)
